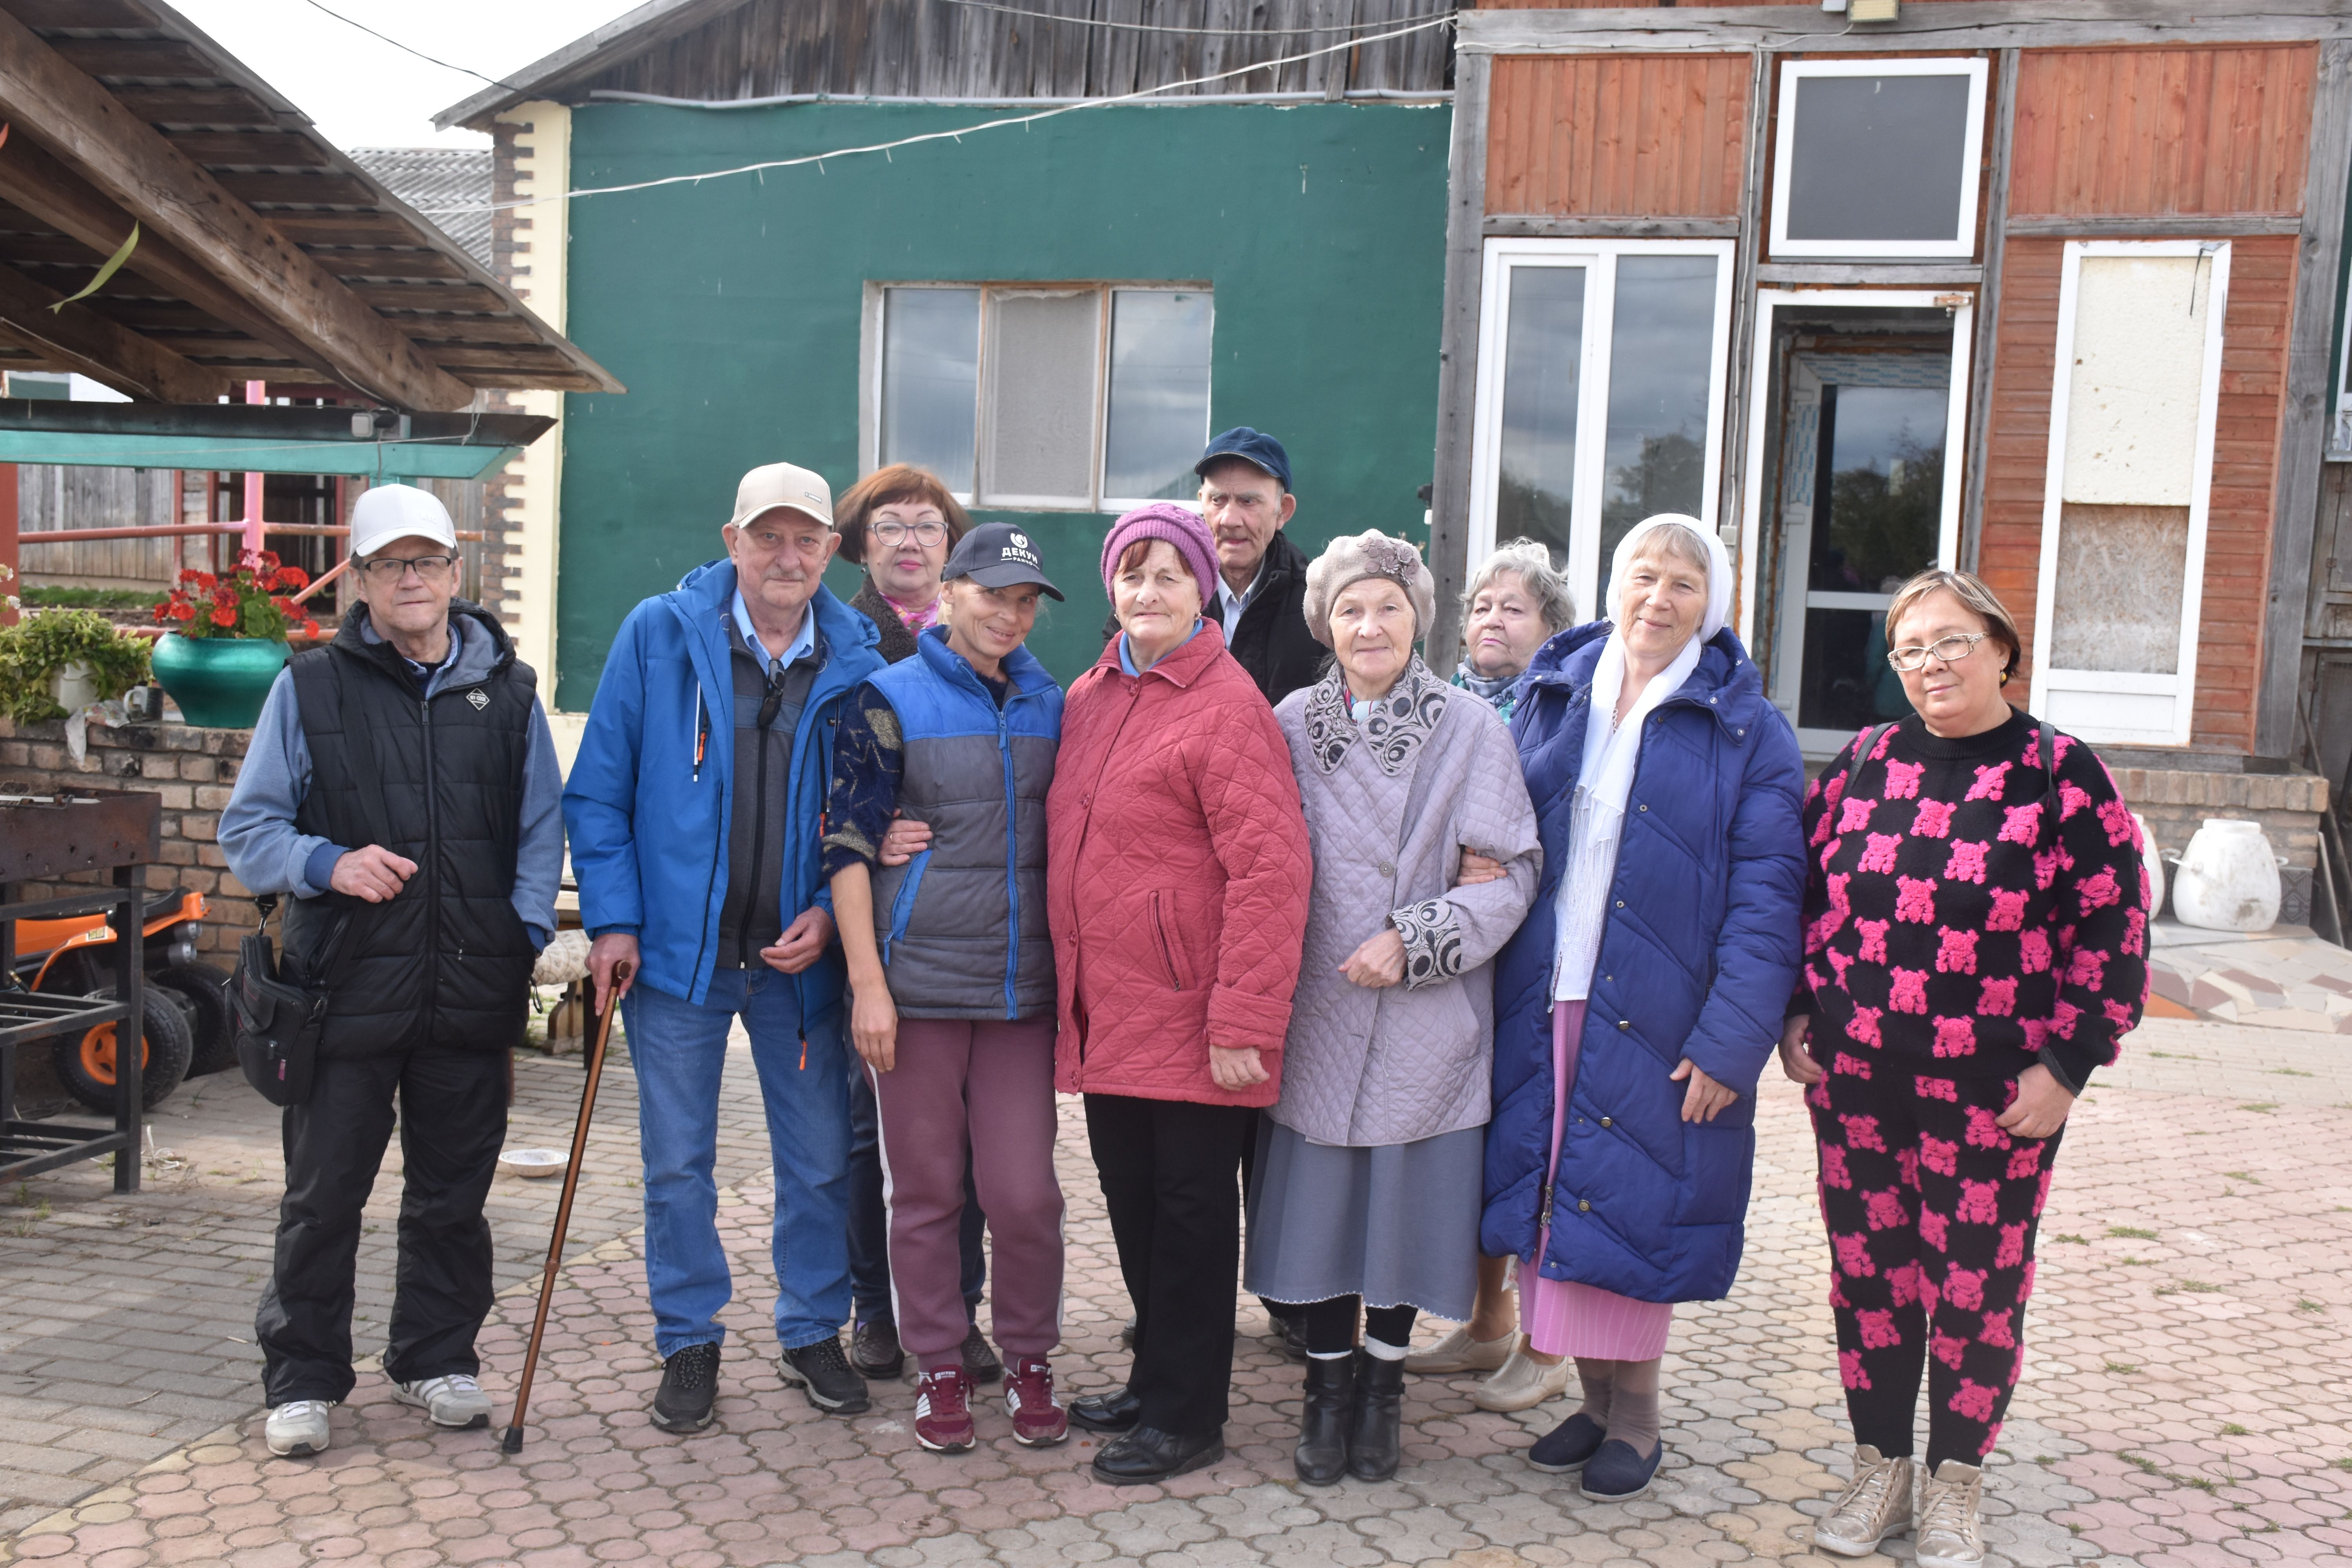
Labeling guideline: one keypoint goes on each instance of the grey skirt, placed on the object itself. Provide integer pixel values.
(1396, 1225)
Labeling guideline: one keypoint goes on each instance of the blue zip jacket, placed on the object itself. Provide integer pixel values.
(649, 821)
(1697, 957)
(962, 926)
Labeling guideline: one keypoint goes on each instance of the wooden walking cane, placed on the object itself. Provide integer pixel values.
(512, 1442)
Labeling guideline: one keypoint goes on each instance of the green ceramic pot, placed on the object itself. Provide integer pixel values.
(220, 683)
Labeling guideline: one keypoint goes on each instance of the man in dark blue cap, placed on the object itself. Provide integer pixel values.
(1246, 499)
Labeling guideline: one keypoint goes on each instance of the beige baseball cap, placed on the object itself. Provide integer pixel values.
(775, 485)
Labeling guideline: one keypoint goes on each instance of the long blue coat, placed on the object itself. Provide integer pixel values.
(1700, 949)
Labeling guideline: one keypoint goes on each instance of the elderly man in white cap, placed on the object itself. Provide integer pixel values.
(694, 804)
(402, 793)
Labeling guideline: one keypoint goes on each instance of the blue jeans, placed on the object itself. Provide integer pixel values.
(869, 1217)
(679, 1050)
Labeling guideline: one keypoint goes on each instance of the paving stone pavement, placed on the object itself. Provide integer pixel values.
(2187, 1400)
(2283, 978)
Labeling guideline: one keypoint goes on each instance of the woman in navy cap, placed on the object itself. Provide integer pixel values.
(952, 974)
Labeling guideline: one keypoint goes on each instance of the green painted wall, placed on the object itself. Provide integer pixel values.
(731, 309)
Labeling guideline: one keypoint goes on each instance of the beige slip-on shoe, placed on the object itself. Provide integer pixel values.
(1522, 1383)
(1457, 1352)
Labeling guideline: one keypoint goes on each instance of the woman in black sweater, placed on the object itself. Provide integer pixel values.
(1976, 942)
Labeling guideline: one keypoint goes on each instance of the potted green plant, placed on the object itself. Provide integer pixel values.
(225, 639)
(54, 662)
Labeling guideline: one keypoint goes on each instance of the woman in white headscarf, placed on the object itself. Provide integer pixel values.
(1638, 1003)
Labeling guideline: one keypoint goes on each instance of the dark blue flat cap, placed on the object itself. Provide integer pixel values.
(1250, 446)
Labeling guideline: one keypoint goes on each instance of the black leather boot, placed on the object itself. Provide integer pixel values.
(1324, 1414)
(1375, 1438)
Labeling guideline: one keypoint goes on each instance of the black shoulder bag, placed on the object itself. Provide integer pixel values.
(278, 1022)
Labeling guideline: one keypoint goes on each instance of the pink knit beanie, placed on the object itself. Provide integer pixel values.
(1164, 520)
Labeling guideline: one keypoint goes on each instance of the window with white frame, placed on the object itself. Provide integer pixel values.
(1878, 158)
(2339, 436)
(1600, 393)
(1075, 397)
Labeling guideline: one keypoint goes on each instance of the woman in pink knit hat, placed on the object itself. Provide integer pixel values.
(1177, 873)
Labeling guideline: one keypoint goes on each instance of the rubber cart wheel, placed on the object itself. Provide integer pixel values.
(204, 988)
(85, 1061)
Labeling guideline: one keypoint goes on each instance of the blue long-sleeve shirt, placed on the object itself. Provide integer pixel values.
(269, 854)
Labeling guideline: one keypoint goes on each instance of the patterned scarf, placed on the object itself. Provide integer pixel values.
(1394, 726)
(916, 617)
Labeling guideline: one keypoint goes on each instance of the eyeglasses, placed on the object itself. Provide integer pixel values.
(892, 532)
(1951, 650)
(389, 570)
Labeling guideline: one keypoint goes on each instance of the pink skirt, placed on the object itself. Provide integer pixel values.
(1562, 1317)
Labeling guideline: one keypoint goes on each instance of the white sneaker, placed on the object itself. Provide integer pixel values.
(455, 1400)
(1523, 1383)
(1875, 1504)
(1948, 1533)
(1457, 1352)
(297, 1428)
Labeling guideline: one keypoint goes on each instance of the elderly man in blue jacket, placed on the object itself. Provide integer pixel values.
(693, 807)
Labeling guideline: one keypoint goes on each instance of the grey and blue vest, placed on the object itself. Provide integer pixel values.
(961, 927)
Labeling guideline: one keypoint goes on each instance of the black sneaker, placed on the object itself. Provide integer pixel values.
(875, 1351)
(981, 1361)
(825, 1374)
(689, 1386)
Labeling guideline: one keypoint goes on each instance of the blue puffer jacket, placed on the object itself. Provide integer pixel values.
(649, 821)
(1697, 960)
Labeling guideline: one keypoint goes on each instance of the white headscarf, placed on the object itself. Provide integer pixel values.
(1605, 781)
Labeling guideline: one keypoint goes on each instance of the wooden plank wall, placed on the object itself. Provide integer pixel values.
(2245, 455)
(2114, 132)
(922, 47)
(1617, 135)
(51, 499)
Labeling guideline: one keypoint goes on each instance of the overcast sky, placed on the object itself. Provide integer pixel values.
(366, 94)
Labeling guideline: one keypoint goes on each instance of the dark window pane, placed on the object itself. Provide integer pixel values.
(1660, 354)
(1158, 394)
(931, 380)
(1542, 356)
(1881, 516)
(1877, 158)
(1847, 683)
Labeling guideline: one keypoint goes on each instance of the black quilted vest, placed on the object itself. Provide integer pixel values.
(448, 961)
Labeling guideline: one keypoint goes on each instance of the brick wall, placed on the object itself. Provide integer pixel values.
(2174, 802)
(192, 769)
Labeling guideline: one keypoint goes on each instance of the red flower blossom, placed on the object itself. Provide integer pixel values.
(163, 610)
(225, 615)
(183, 611)
(291, 578)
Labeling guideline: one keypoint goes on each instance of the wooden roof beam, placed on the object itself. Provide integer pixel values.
(85, 341)
(33, 180)
(132, 164)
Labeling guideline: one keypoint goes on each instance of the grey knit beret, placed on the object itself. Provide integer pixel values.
(1349, 560)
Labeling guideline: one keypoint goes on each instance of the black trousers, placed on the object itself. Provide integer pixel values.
(453, 1119)
(1170, 1179)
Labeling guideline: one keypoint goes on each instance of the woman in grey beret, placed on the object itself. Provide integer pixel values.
(1366, 1186)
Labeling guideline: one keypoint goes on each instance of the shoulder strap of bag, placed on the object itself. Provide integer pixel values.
(2052, 801)
(334, 958)
(1862, 751)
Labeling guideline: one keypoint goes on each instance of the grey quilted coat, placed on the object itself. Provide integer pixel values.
(1390, 807)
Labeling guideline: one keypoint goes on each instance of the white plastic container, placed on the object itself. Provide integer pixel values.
(535, 1163)
(74, 687)
(2151, 861)
(2228, 878)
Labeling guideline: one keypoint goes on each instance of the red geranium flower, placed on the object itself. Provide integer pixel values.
(225, 615)
(183, 611)
(163, 610)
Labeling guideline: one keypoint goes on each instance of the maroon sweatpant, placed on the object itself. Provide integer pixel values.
(985, 1087)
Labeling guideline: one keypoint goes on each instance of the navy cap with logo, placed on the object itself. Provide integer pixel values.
(1252, 447)
(998, 555)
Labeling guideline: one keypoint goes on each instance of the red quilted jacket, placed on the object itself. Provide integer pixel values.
(1177, 876)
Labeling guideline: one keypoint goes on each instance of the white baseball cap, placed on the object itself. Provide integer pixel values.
(766, 489)
(386, 512)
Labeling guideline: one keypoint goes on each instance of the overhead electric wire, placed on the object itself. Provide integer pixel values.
(420, 54)
(957, 134)
(1191, 32)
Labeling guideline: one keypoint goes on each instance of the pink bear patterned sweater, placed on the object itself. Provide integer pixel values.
(1949, 926)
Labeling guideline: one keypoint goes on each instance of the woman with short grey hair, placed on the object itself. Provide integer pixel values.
(1515, 600)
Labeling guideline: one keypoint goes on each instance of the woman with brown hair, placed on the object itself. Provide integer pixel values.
(1976, 944)
(899, 523)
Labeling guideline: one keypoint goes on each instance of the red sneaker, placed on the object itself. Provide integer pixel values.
(943, 1411)
(1038, 1418)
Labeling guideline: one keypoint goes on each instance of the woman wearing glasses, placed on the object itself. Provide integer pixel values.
(899, 522)
(1975, 942)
